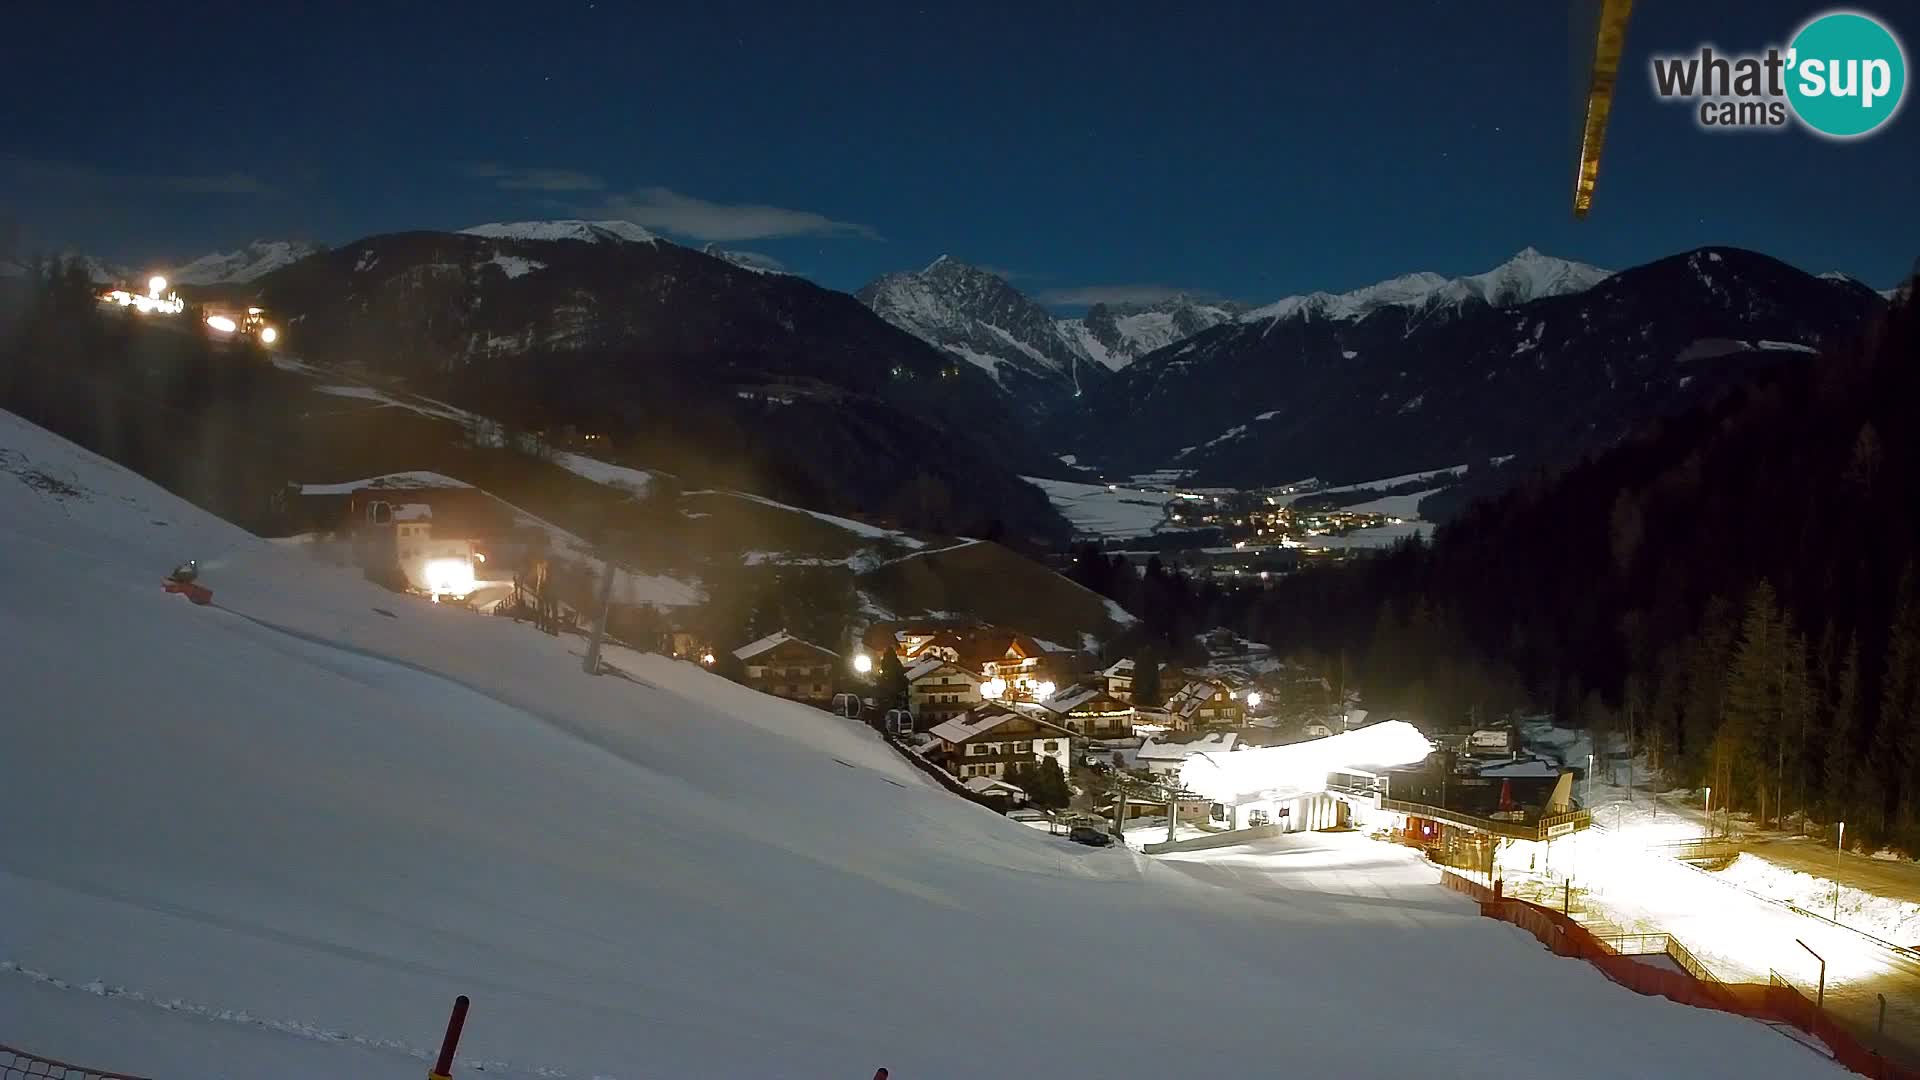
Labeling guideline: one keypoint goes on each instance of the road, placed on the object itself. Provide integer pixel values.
(1740, 936)
(1881, 877)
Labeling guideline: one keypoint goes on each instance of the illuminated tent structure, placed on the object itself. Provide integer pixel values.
(1283, 772)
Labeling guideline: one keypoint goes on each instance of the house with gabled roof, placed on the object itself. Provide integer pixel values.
(1091, 711)
(939, 689)
(786, 666)
(991, 740)
(1206, 702)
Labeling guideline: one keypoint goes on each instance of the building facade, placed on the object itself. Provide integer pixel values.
(991, 740)
(1092, 712)
(785, 666)
(939, 690)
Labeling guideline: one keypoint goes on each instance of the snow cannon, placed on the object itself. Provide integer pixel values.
(193, 591)
(185, 581)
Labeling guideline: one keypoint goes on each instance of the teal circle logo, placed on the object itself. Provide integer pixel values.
(1846, 74)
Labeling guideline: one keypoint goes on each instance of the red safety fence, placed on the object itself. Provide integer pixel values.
(20, 1065)
(1776, 1002)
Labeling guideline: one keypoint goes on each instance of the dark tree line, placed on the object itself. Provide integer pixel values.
(1733, 590)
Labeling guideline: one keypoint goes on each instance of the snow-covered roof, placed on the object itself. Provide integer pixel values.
(987, 785)
(400, 481)
(753, 649)
(1119, 669)
(934, 664)
(1218, 741)
(1074, 697)
(981, 720)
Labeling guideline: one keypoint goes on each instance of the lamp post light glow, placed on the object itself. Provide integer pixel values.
(707, 658)
(1709, 809)
(1839, 845)
(1044, 691)
(156, 285)
(862, 663)
(1253, 699)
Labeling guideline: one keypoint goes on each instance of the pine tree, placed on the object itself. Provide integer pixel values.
(1842, 766)
(891, 685)
(1755, 731)
(1047, 786)
(1146, 680)
(1900, 700)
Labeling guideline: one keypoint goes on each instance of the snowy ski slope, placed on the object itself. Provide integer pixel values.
(276, 836)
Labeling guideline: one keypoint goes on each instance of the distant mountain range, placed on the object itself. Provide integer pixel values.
(692, 363)
(1539, 358)
(1042, 360)
(717, 356)
(249, 264)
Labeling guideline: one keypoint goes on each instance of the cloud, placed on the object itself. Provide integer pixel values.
(510, 178)
(73, 175)
(1084, 295)
(685, 215)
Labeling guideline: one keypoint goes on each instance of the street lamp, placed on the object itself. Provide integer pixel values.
(862, 663)
(1709, 809)
(1839, 845)
(1253, 699)
(707, 658)
(1589, 779)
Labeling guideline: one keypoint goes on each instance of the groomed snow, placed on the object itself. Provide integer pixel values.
(276, 836)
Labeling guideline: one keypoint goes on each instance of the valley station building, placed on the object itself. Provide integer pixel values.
(1457, 809)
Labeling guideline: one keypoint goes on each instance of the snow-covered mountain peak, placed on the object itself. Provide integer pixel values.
(592, 232)
(1529, 275)
(1115, 335)
(254, 261)
(976, 316)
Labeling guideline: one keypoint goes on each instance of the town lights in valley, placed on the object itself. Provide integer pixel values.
(994, 688)
(222, 324)
(156, 285)
(1044, 691)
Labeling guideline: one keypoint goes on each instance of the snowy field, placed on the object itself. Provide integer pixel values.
(276, 836)
(1095, 510)
(1379, 536)
(1885, 917)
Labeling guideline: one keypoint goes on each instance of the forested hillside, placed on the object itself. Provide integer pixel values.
(1735, 587)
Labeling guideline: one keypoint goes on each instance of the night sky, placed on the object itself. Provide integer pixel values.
(1087, 151)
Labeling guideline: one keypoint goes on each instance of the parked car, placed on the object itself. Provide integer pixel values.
(1090, 836)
